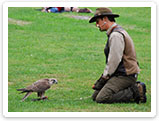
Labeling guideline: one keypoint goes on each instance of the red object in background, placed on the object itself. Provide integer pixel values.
(59, 8)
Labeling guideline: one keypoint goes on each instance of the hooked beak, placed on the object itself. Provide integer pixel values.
(56, 82)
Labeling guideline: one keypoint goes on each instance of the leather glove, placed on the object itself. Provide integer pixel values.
(100, 82)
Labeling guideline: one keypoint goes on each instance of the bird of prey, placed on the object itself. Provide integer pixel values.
(39, 86)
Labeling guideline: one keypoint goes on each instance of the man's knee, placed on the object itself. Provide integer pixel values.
(99, 99)
(103, 99)
(105, 95)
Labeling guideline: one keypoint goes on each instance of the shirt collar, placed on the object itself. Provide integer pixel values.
(110, 28)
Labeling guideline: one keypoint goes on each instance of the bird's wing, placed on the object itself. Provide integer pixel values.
(39, 86)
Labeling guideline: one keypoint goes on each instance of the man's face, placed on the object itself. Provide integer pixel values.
(102, 24)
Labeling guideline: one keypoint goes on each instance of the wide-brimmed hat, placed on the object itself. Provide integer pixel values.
(102, 12)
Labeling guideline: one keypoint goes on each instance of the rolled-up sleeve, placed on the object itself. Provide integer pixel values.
(116, 45)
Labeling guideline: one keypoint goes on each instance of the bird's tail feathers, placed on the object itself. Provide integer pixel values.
(23, 90)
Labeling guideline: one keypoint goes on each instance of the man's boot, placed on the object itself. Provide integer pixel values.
(142, 91)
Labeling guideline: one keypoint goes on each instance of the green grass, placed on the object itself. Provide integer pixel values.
(71, 50)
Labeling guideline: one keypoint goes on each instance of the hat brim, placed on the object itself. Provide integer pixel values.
(94, 18)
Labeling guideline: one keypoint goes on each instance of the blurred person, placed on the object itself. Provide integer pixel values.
(65, 9)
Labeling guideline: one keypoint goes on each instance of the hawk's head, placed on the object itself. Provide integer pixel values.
(52, 81)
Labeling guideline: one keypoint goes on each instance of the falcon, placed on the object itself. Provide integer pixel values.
(39, 86)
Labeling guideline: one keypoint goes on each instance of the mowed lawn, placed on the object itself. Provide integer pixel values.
(56, 45)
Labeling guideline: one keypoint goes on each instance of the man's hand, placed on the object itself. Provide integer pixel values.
(100, 82)
(105, 77)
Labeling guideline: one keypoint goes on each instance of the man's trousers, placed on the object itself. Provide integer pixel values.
(117, 89)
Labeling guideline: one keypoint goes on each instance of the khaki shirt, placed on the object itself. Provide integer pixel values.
(116, 45)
